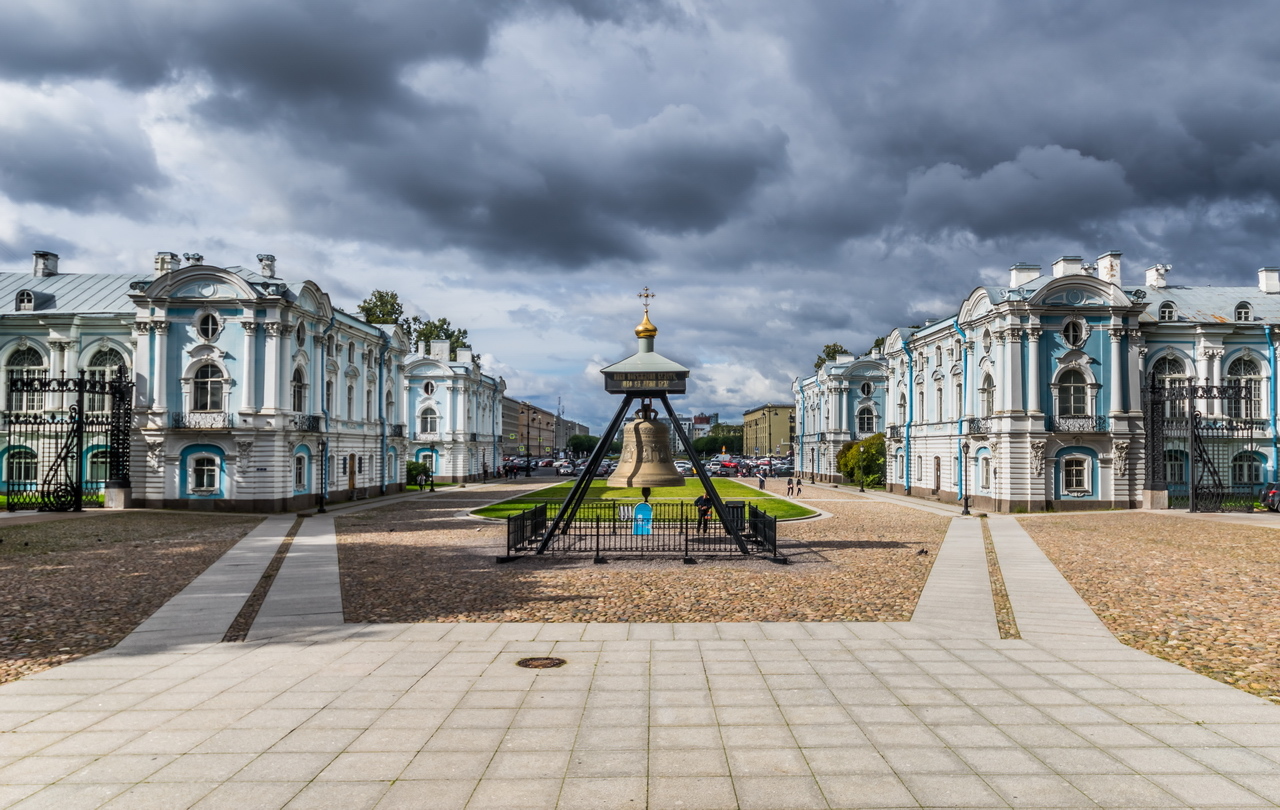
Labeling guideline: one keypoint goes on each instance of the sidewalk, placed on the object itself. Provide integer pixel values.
(936, 712)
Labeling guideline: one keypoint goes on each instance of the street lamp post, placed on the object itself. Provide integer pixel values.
(964, 477)
(324, 473)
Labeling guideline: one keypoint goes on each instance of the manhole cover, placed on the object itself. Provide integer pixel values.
(541, 663)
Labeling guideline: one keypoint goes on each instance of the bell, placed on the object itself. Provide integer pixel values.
(646, 455)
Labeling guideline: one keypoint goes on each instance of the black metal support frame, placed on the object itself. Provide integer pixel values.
(564, 520)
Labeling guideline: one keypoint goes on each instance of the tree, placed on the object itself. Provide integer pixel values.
(717, 444)
(423, 331)
(863, 462)
(582, 445)
(722, 429)
(382, 306)
(828, 355)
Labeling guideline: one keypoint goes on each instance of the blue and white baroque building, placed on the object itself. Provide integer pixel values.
(252, 393)
(1031, 395)
(454, 412)
(843, 402)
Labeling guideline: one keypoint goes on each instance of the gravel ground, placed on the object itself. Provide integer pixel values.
(74, 587)
(426, 561)
(1199, 594)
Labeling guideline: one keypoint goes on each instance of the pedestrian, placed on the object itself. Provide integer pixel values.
(760, 477)
(422, 481)
(791, 486)
(799, 481)
(704, 504)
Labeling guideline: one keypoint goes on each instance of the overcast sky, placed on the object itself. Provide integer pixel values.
(782, 174)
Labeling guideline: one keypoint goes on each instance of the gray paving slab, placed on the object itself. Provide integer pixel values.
(957, 594)
(307, 593)
(204, 610)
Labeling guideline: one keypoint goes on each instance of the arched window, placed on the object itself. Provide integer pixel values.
(937, 401)
(1244, 312)
(102, 366)
(299, 473)
(1175, 467)
(1167, 372)
(985, 469)
(1244, 372)
(368, 404)
(1246, 468)
(328, 396)
(206, 388)
(389, 413)
(351, 402)
(351, 352)
(21, 466)
(26, 301)
(298, 391)
(1072, 394)
(207, 326)
(937, 356)
(204, 474)
(99, 467)
(27, 364)
(1167, 311)
(429, 422)
(866, 421)
(902, 409)
(959, 399)
(988, 395)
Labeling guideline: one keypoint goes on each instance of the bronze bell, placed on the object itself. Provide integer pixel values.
(646, 454)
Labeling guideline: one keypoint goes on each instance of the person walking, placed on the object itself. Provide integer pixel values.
(760, 476)
(799, 481)
(791, 486)
(704, 505)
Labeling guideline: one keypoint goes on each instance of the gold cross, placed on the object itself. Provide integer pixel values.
(645, 296)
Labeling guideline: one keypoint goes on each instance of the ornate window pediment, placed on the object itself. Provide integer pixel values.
(1075, 297)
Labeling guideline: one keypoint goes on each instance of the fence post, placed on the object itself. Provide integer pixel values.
(78, 485)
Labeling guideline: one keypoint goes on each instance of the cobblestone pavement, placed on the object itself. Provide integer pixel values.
(661, 715)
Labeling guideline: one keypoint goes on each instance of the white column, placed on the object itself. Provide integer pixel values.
(142, 376)
(1215, 376)
(1015, 369)
(161, 331)
(971, 376)
(1136, 352)
(1002, 372)
(1033, 370)
(271, 368)
(246, 385)
(1202, 375)
(1116, 392)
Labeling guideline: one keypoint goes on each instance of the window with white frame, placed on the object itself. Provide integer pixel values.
(328, 396)
(867, 389)
(937, 356)
(985, 472)
(429, 422)
(298, 391)
(368, 404)
(920, 414)
(866, 421)
(300, 334)
(1073, 333)
(1072, 394)
(28, 364)
(1175, 467)
(391, 468)
(1075, 475)
(299, 473)
(26, 301)
(1246, 468)
(959, 399)
(987, 393)
(1168, 312)
(901, 465)
(351, 352)
(207, 388)
(1244, 372)
(21, 466)
(1244, 312)
(207, 326)
(1167, 372)
(102, 366)
(938, 401)
(351, 402)
(99, 466)
(919, 467)
(204, 474)
(902, 409)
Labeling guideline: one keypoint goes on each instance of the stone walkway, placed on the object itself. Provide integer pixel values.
(936, 712)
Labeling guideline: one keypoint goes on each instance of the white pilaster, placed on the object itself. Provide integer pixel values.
(247, 384)
(1015, 369)
(1116, 392)
(271, 368)
(161, 331)
(1033, 370)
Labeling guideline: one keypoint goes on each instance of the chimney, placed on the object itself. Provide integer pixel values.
(417, 349)
(1269, 279)
(1067, 266)
(166, 263)
(1022, 272)
(268, 263)
(1109, 267)
(440, 350)
(464, 356)
(46, 264)
(1156, 274)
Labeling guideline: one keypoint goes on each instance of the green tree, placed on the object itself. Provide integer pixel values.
(382, 306)
(714, 444)
(424, 331)
(722, 429)
(828, 355)
(581, 444)
(863, 462)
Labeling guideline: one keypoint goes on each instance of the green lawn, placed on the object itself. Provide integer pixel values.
(600, 491)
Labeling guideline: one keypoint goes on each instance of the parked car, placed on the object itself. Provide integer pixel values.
(1270, 496)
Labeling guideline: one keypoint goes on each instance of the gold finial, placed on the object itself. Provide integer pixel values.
(646, 329)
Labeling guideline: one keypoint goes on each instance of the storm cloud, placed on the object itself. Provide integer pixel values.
(785, 175)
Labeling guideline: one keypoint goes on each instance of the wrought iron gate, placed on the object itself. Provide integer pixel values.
(1203, 445)
(67, 437)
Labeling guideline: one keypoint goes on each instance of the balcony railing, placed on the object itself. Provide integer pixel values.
(203, 420)
(306, 422)
(396, 431)
(894, 431)
(1077, 424)
(978, 426)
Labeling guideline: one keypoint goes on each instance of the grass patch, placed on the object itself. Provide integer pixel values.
(601, 491)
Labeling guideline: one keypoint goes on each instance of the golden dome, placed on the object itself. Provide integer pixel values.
(646, 329)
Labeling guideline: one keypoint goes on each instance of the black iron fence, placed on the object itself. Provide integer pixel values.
(305, 422)
(619, 527)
